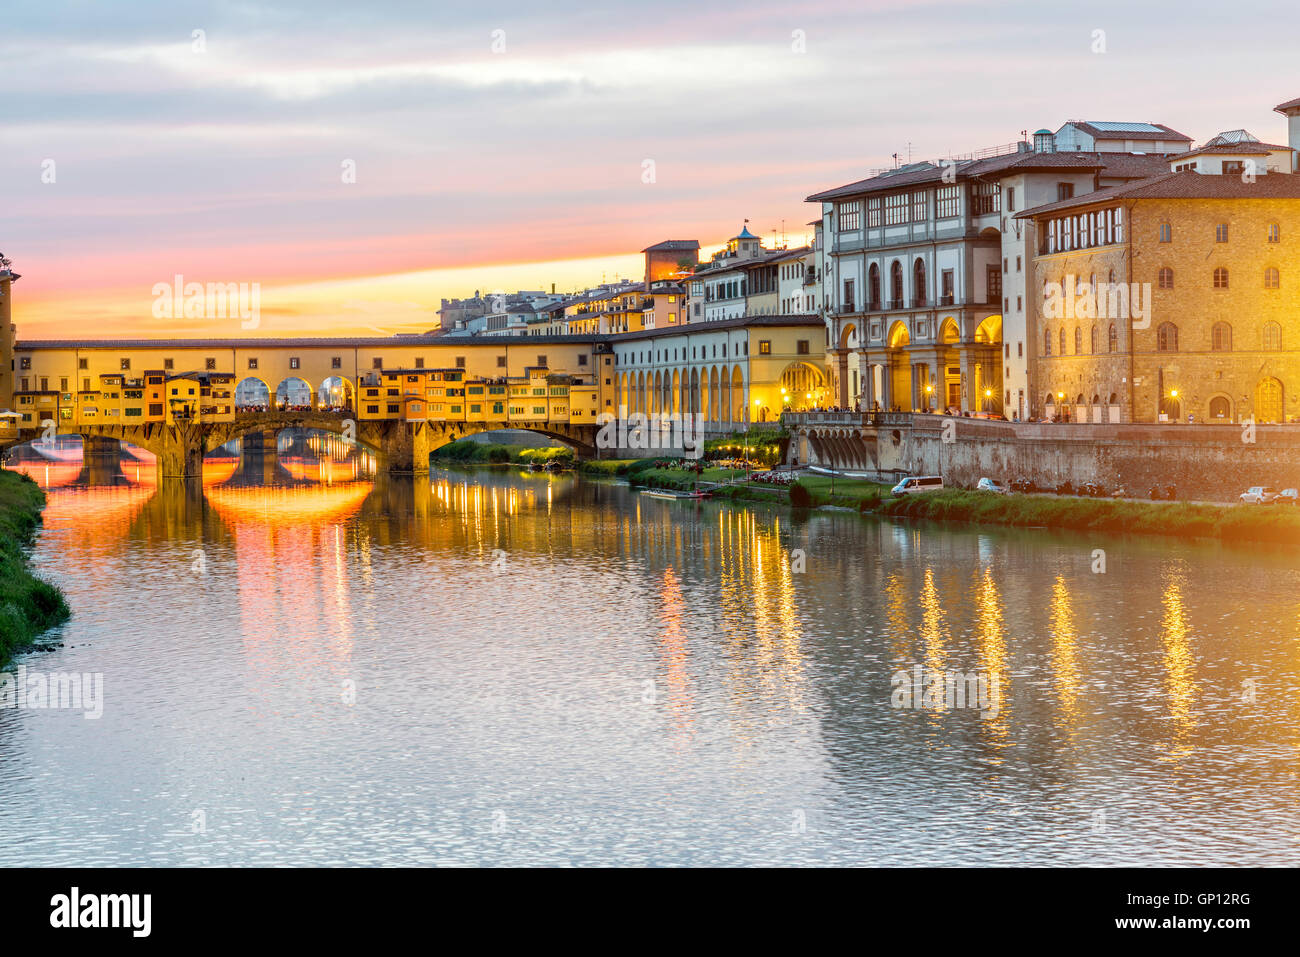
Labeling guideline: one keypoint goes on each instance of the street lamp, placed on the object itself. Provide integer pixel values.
(1060, 404)
(929, 396)
(988, 400)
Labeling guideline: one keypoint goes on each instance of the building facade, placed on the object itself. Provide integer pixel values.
(1173, 299)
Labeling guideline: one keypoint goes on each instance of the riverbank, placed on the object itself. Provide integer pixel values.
(28, 606)
(1271, 524)
(486, 453)
(1274, 524)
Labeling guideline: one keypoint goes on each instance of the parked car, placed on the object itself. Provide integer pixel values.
(918, 483)
(1024, 485)
(991, 485)
(1065, 488)
(1287, 496)
(1259, 495)
(1166, 492)
(1092, 490)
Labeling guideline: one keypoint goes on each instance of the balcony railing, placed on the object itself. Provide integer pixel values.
(896, 303)
(918, 302)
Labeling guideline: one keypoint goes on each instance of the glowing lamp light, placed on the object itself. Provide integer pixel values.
(1173, 393)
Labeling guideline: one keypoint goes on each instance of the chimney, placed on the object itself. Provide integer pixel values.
(1291, 110)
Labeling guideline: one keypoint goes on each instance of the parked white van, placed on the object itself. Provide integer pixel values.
(918, 483)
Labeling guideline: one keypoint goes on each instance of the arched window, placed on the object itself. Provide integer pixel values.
(1221, 337)
(1219, 408)
(1166, 279)
(1167, 337)
(1047, 342)
(1078, 341)
(1063, 352)
(896, 284)
(918, 282)
(1220, 277)
(1092, 340)
(873, 283)
(1272, 278)
(1272, 336)
(1112, 339)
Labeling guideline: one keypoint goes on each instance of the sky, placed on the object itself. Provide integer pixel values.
(361, 161)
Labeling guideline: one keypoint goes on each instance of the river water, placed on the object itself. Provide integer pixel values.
(308, 664)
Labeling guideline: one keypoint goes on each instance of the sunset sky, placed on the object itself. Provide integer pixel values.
(490, 170)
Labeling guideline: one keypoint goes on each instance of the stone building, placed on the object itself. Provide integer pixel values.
(1171, 297)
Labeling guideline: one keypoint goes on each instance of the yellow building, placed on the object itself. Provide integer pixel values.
(1171, 299)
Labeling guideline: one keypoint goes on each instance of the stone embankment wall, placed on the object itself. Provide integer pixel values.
(1208, 462)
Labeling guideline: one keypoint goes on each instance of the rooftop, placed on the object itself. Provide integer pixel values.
(1182, 185)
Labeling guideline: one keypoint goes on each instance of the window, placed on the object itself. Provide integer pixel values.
(1112, 339)
(1078, 341)
(986, 198)
(210, 364)
(895, 209)
(336, 362)
(1221, 337)
(582, 360)
(1221, 233)
(1272, 336)
(850, 215)
(501, 362)
(947, 202)
(26, 362)
(1062, 340)
(1274, 232)
(392, 408)
(377, 363)
(1011, 199)
(873, 211)
(1064, 191)
(419, 362)
(1047, 342)
(764, 347)
(126, 364)
(155, 408)
(252, 362)
(294, 363)
(1167, 337)
(801, 347)
(460, 362)
(1166, 233)
(947, 285)
(81, 363)
(541, 361)
(1220, 278)
(1219, 408)
(1272, 278)
(919, 207)
(994, 279)
(848, 295)
(1166, 280)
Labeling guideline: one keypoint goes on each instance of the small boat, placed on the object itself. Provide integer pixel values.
(675, 494)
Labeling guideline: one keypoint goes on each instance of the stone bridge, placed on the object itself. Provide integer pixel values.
(400, 446)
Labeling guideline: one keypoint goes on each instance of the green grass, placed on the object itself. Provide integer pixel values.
(488, 453)
(1234, 523)
(28, 606)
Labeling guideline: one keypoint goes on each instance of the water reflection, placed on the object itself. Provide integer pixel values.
(368, 669)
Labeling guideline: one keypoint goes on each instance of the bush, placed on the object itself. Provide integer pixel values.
(800, 497)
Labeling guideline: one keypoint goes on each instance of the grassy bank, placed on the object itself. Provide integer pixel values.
(1229, 523)
(1232, 523)
(486, 453)
(28, 606)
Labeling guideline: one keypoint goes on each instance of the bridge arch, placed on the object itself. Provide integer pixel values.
(336, 392)
(294, 392)
(252, 392)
